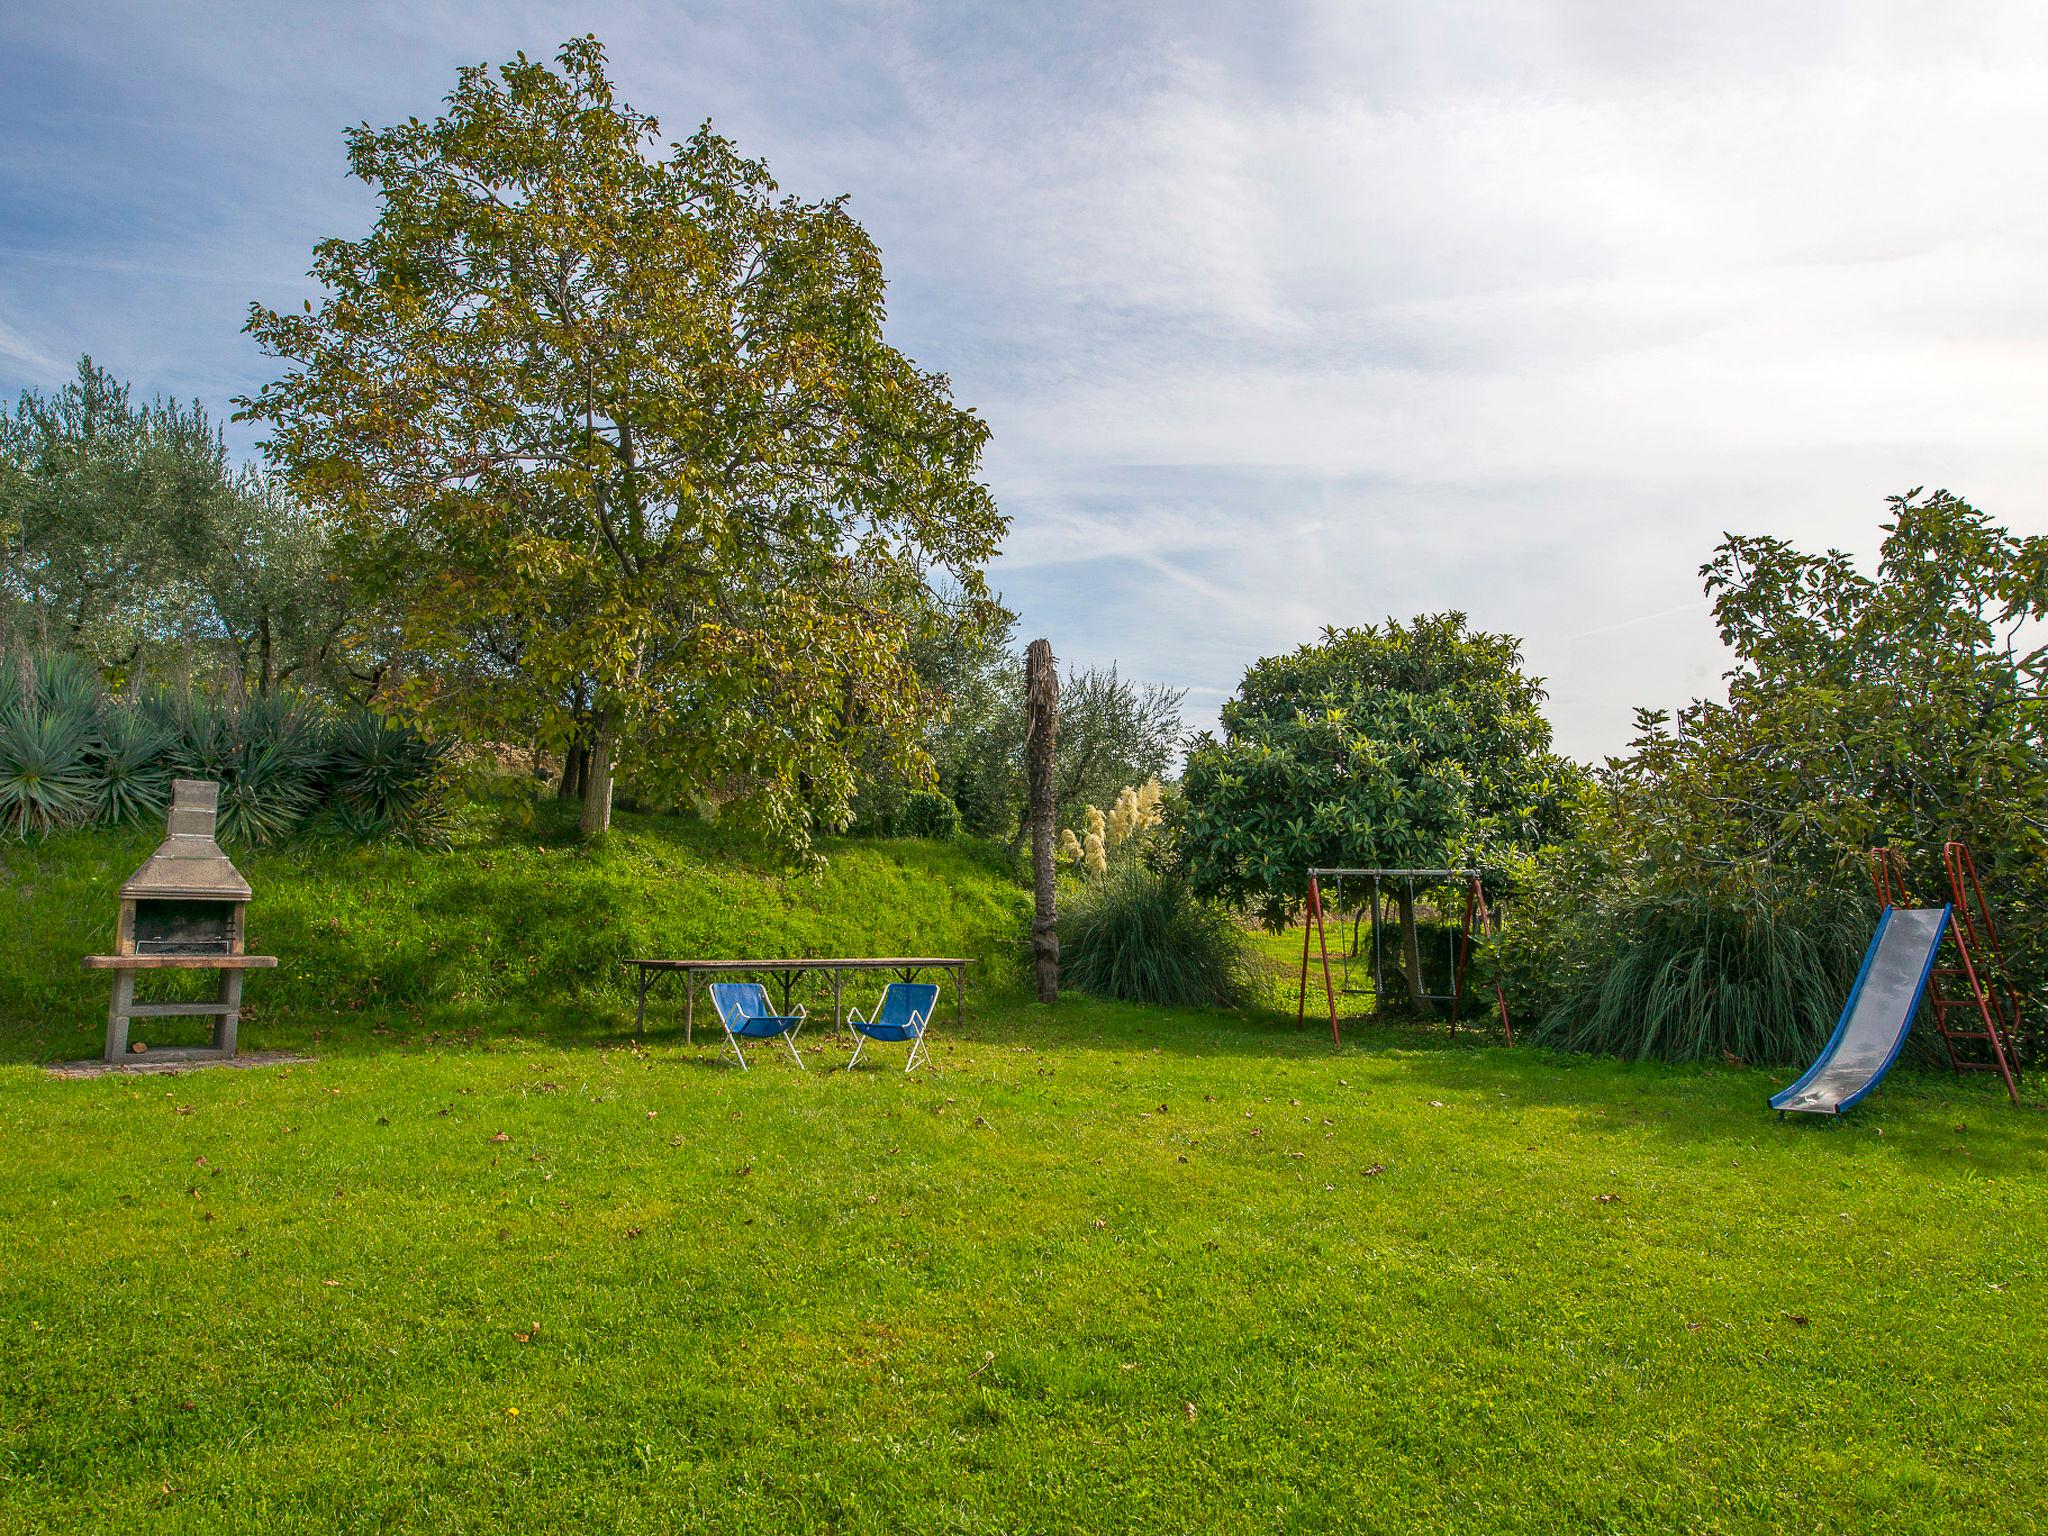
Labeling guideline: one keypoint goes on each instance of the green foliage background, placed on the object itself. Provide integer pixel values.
(1716, 898)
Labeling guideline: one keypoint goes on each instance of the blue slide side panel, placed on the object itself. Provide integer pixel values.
(1827, 1053)
(1905, 1028)
(1877, 1017)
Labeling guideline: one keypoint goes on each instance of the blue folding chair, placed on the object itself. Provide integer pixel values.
(743, 1010)
(903, 1014)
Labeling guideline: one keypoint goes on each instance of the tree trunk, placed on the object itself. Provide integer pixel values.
(1041, 730)
(575, 762)
(597, 780)
(1411, 955)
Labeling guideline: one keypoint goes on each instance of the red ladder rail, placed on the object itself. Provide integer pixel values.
(1983, 972)
(1975, 937)
(1478, 919)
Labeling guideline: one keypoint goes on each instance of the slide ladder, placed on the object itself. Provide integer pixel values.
(1978, 985)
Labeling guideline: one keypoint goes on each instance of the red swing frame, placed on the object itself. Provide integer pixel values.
(1477, 914)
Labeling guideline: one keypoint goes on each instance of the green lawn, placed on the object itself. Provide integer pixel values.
(1104, 1269)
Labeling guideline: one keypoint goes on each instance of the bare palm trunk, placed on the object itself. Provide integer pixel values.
(1041, 730)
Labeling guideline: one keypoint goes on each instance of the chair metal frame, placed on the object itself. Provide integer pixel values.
(791, 1022)
(918, 1024)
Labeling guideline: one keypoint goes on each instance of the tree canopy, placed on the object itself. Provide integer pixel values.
(617, 431)
(127, 538)
(1418, 745)
(1716, 897)
(1901, 707)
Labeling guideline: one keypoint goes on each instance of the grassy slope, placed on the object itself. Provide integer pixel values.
(1017, 1294)
(519, 928)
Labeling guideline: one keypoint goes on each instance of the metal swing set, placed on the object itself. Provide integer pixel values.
(1355, 966)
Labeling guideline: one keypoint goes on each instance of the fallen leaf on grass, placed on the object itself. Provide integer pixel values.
(330, 1282)
(1694, 1327)
(1189, 1410)
(1606, 1199)
(1100, 1223)
(1436, 1103)
(501, 1136)
(633, 1231)
(1374, 1171)
(1797, 1320)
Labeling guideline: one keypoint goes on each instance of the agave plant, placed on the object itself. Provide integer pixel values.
(387, 779)
(266, 754)
(131, 766)
(45, 775)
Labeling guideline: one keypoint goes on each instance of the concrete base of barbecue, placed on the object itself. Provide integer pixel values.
(174, 1058)
(225, 1010)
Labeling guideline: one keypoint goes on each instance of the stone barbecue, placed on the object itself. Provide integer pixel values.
(182, 910)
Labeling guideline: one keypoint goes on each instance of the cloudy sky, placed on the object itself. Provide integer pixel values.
(1284, 315)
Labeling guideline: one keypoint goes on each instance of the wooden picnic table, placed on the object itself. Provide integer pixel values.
(787, 972)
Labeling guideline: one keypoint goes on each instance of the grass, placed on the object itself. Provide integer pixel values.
(1106, 1268)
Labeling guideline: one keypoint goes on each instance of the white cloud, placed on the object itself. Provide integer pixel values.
(1282, 316)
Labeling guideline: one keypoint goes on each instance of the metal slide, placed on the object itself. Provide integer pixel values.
(1877, 1016)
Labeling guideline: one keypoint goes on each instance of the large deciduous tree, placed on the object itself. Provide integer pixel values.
(616, 428)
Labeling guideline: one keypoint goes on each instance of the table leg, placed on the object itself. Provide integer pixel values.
(959, 996)
(838, 1016)
(640, 1015)
(689, 1004)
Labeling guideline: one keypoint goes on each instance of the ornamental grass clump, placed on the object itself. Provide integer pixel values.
(1141, 934)
(1707, 975)
(1133, 928)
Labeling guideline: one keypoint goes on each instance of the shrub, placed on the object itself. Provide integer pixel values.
(926, 813)
(45, 779)
(72, 755)
(1698, 975)
(267, 755)
(387, 779)
(1140, 934)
